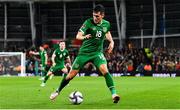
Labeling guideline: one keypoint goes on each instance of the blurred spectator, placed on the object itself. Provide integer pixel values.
(121, 60)
(178, 65)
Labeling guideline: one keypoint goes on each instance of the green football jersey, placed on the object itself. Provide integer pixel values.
(98, 31)
(61, 56)
(43, 56)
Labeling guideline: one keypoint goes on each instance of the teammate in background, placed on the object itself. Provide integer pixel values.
(60, 55)
(44, 60)
(93, 33)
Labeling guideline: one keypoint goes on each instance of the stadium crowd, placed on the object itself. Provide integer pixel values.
(121, 60)
(9, 64)
(128, 60)
(135, 60)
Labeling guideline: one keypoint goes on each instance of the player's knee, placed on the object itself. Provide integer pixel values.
(65, 71)
(72, 74)
(103, 69)
(69, 77)
(49, 73)
(104, 73)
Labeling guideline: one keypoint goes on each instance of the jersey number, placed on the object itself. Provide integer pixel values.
(99, 34)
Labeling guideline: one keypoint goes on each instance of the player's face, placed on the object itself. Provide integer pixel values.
(41, 48)
(62, 45)
(97, 17)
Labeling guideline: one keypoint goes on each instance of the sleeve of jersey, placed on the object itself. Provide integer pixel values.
(67, 55)
(55, 52)
(84, 27)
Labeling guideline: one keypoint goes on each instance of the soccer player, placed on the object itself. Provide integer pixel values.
(60, 55)
(44, 59)
(93, 33)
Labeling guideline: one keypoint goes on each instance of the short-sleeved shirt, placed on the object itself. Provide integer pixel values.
(43, 57)
(93, 45)
(92, 48)
(61, 55)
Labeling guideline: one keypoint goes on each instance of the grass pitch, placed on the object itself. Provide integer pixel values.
(135, 92)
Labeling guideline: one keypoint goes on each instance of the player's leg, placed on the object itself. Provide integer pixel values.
(56, 93)
(101, 63)
(49, 73)
(109, 82)
(51, 76)
(77, 65)
(67, 78)
(44, 71)
(64, 82)
(46, 78)
(65, 72)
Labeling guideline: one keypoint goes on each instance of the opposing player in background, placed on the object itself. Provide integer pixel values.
(93, 33)
(59, 57)
(44, 60)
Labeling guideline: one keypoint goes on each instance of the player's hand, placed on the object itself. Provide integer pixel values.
(110, 48)
(68, 65)
(88, 36)
(54, 64)
(31, 52)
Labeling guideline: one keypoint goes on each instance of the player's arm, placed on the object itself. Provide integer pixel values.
(33, 52)
(111, 42)
(46, 58)
(53, 59)
(81, 36)
(68, 62)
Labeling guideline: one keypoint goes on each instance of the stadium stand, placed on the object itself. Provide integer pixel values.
(140, 16)
(49, 22)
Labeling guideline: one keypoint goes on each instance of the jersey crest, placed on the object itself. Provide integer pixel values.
(104, 29)
(94, 28)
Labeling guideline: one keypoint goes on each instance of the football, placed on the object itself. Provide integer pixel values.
(76, 97)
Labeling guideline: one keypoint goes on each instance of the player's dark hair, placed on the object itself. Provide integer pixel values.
(61, 41)
(99, 8)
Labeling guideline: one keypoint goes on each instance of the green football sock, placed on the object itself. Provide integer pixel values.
(44, 73)
(110, 83)
(63, 83)
(46, 78)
